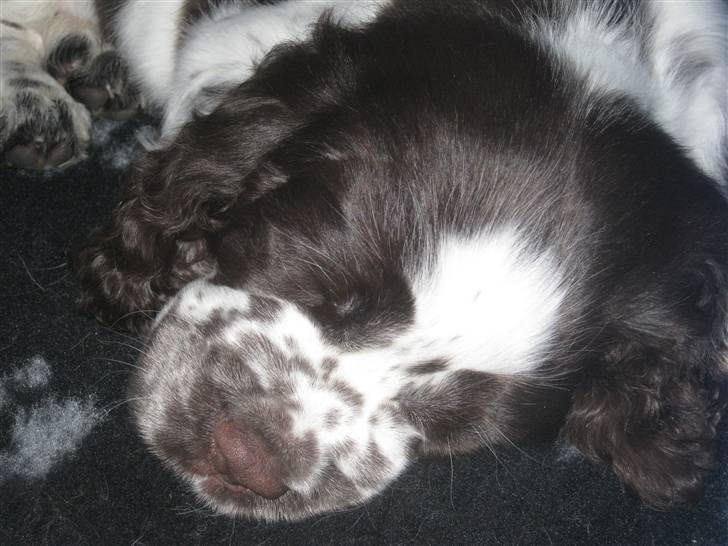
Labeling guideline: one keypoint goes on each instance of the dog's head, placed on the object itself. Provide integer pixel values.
(243, 396)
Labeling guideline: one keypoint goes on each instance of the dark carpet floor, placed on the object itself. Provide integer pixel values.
(73, 471)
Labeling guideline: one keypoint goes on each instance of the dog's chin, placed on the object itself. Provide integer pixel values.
(292, 506)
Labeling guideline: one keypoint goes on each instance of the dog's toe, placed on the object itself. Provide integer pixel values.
(104, 88)
(44, 132)
(39, 154)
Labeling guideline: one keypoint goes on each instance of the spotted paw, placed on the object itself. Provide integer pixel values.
(96, 78)
(41, 126)
(104, 87)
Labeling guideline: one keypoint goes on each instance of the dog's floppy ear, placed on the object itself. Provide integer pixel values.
(654, 419)
(215, 161)
(156, 239)
(238, 152)
(216, 166)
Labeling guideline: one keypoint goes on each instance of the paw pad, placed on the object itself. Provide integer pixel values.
(104, 88)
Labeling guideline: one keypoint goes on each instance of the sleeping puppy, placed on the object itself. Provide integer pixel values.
(378, 230)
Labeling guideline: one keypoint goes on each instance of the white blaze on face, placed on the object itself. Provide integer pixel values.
(487, 304)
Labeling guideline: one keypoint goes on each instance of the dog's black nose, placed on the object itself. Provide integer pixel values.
(242, 458)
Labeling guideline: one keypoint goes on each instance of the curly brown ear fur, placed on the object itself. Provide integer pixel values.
(131, 267)
(156, 240)
(653, 419)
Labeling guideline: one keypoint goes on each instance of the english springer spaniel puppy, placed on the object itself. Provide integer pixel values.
(378, 230)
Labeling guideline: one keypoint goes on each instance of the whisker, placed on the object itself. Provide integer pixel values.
(119, 333)
(108, 409)
(192, 509)
(510, 442)
(50, 268)
(30, 275)
(148, 313)
(452, 474)
(117, 361)
(139, 350)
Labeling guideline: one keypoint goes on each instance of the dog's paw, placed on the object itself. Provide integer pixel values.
(41, 126)
(96, 78)
(103, 86)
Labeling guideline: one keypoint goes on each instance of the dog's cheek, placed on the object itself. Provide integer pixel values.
(455, 413)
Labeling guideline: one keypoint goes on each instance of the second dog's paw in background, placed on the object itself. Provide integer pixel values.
(41, 126)
(94, 75)
(56, 73)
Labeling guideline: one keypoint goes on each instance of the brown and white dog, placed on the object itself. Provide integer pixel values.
(376, 230)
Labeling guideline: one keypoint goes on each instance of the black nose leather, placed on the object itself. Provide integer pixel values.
(241, 457)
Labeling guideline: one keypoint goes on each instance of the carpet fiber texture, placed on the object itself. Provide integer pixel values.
(73, 470)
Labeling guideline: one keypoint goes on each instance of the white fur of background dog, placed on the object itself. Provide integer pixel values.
(215, 53)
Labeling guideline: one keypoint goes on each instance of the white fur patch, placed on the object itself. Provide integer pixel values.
(486, 304)
(694, 111)
(201, 303)
(644, 60)
(147, 33)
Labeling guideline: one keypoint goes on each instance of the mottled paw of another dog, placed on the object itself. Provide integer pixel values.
(41, 126)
